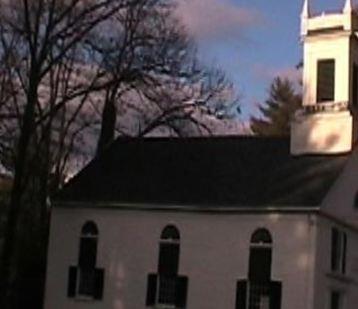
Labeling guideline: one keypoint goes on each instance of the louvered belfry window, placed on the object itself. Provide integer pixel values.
(325, 80)
(355, 85)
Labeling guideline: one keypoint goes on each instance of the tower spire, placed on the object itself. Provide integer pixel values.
(348, 8)
(306, 12)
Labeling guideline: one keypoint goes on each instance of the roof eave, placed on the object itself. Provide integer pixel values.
(188, 208)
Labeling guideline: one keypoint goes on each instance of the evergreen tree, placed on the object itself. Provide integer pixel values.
(277, 110)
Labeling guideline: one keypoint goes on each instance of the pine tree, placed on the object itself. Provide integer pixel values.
(277, 110)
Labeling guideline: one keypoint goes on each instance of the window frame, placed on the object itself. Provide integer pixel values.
(169, 247)
(89, 231)
(261, 240)
(76, 283)
(338, 251)
(170, 236)
(167, 279)
(250, 292)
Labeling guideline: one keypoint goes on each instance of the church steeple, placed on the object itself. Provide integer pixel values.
(328, 120)
(348, 8)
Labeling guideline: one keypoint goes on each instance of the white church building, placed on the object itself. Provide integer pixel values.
(225, 222)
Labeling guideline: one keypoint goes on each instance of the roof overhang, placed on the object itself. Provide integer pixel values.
(187, 208)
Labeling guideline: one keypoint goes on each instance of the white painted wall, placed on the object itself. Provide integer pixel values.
(325, 280)
(214, 255)
(322, 133)
(339, 201)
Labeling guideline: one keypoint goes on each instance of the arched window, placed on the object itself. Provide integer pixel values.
(88, 246)
(85, 280)
(170, 232)
(259, 291)
(89, 229)
(260, 256)
(169, 250)
(261, 236)
(167, 288)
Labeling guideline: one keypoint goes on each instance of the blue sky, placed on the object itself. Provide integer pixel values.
(252, 40)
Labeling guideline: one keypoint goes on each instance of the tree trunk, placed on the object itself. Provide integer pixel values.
(8, 262)
(108, 124)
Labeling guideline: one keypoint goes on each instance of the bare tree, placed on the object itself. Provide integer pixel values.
(44, 33)
(156, 80)
(68, 66)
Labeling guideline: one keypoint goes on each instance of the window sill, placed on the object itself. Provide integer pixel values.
(340, 277)
(84, 299)
(164, 306)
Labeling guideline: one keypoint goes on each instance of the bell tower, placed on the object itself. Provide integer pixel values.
(325, 123)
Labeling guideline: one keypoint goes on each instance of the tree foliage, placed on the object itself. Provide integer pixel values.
(278, 109)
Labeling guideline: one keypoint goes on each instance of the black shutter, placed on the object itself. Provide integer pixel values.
(344, 257)
(72, 281)
(241, 293)
(325, 80)
(168, 259)
(334, 249)
(88, 253)
(260, 265)
(99, 283)
(275, 295)
(151, 290)
(181, 292)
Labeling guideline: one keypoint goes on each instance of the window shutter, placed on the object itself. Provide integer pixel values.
(334, 249)
(168, 259)
(260, 265)
(151, 290)
(275, 295)
(87, 281)
(99, 283)
(167, 289)
(181, 292)
(72, 281)
(241, 295)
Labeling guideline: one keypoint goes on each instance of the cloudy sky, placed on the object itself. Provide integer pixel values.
(253, 40)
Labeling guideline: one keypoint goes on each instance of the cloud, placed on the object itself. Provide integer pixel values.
(216, 19)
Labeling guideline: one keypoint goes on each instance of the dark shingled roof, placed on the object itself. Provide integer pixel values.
(210, 172)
